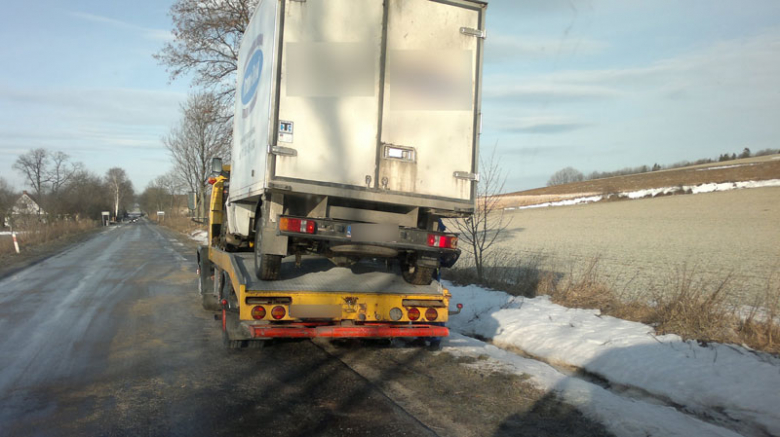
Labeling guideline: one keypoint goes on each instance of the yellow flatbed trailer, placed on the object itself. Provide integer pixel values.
(321, 300)
(315, 298)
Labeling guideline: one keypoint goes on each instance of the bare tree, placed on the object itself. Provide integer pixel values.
(7, 199)
(61, 171)
(207, 35)
(485, 226)
(200, 136)
(33, 165)
(565, 176)
(120, 188)
(85, 195)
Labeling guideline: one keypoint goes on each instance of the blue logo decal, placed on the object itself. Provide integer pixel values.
(251, 77)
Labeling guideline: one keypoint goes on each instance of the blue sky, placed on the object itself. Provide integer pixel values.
(597, 85)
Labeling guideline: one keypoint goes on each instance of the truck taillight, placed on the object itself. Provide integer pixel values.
(258, 313)
(278, 313)
(297, 225)
(431, 314)
(442, 241)
(413, 314)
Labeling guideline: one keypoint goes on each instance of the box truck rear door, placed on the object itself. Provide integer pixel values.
(430, 108)
(329, 91)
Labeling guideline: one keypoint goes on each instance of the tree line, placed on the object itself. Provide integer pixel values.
(570, 174)
(64, 189)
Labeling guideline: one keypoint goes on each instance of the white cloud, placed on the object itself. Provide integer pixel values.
(153, 34)
(520, 90)
(503, 48)
(544, 124)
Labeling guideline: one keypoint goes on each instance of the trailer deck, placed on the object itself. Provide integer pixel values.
(319, 299)
(321, 275)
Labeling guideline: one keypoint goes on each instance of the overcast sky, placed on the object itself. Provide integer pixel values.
(597, 85)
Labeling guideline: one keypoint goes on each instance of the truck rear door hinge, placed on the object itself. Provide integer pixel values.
(283, 151)
(473, 32)
(466, 175)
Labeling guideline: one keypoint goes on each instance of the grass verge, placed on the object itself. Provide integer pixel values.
(688, 303)
(38, 234)
(185, 225)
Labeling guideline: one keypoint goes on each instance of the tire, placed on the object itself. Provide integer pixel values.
(231, 344)
(255, 344)
(229, 334)
(434, 344)
(210, 302)
(205, 286)
(417, 275)
(267, 267)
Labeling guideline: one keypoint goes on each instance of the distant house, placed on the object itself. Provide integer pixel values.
(25, 209)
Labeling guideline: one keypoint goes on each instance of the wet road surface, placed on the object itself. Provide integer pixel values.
(108, 338)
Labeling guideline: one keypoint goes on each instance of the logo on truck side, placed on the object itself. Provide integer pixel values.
(251, 80)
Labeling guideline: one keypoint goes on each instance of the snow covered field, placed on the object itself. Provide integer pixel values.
(652, 192)
(637, 383)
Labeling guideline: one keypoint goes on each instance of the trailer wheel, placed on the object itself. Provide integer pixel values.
(229, 333)
(417, 275)
(231, 344)
(255, 344)
(206, 268)
(267, 267)
(210, 299)
(434, 344)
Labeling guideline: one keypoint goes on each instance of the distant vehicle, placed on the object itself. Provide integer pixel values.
(356, 129)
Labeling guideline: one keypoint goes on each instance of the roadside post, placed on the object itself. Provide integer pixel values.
(105, 217)
(16, 243)
(160, 216)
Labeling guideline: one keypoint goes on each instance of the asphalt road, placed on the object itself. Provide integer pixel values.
(108, 338)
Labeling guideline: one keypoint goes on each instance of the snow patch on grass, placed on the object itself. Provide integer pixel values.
(200, 236)
(715, 378)
(653, 192)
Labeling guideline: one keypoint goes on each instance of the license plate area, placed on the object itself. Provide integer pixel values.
(371, 232)
(315, 311)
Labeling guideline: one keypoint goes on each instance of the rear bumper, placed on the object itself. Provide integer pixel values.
(379, 330)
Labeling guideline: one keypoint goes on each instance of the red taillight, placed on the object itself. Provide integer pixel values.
(278, 313)
(258, 313)
(431, 314)
(442, 241)
(413, 314)
(297, 225)
(212, 181)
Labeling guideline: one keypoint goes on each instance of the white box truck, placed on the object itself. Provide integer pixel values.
(356, 130)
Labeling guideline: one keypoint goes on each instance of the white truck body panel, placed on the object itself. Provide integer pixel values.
(371, 99)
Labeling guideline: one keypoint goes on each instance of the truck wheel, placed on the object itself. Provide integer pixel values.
(267, 267)
(417, 275)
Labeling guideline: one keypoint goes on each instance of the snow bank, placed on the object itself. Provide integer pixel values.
(568, 202)
(721, 167)
(652, 192)
(200, 236)
(621, 416)
(726, 379)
